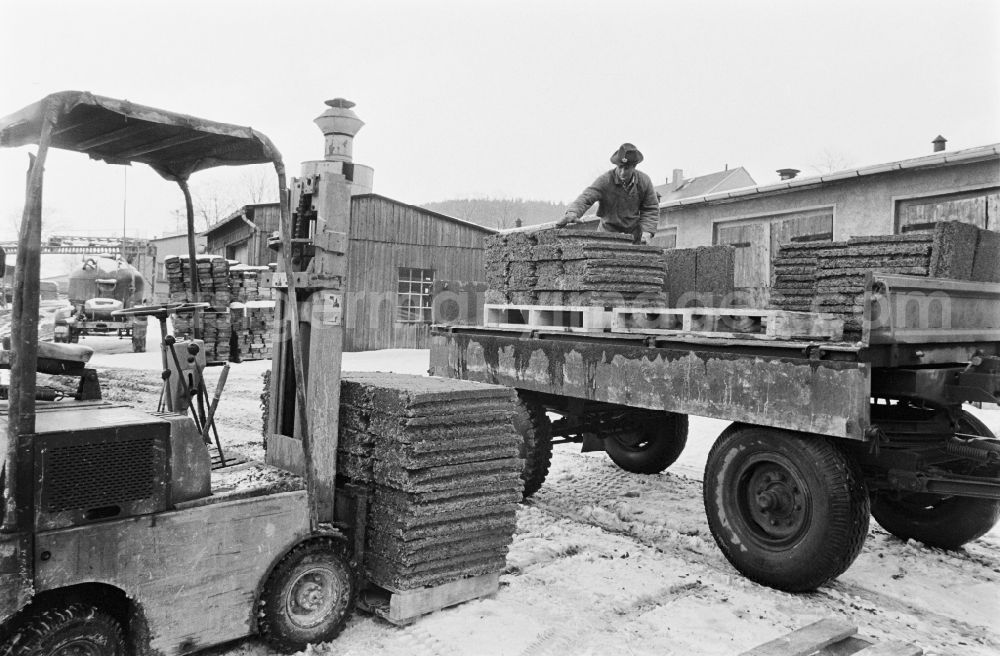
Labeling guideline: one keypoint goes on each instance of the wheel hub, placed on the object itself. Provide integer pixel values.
(311, 597)
(775, 501)
(79, 647)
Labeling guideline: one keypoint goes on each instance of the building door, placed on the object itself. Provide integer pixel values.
(758, 242)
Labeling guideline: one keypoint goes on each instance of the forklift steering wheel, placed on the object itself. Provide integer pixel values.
(157, 310)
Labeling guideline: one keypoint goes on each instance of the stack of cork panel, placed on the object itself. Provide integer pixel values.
(178, 270)
(510, 269)
(702, 276)
(182, 325)
(572, 267)
(253, 329)
(830, 276)
(587, 267)
(217, 330)
(440, 460)
(213, 279)
(244, 283)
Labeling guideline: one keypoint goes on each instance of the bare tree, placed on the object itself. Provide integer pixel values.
(832, 160)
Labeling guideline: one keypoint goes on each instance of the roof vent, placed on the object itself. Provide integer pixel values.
(939, 143)
(788, 174)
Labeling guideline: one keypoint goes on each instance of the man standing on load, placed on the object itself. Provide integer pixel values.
(626, 200)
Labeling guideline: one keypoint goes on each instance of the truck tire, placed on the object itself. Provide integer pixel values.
(307, 597)
(788, 510)
(938, 521)
(73, 629)
(653, 444)
(534, 426)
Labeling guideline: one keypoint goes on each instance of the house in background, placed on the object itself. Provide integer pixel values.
(163, 247)
(407, 267)
(243, 234)
(883, 199)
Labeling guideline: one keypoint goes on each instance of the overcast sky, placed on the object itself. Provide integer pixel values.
(510, 98)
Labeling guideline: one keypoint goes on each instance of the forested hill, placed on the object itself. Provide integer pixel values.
(499, 212)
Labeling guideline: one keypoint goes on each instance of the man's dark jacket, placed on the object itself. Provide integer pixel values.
(631, 209)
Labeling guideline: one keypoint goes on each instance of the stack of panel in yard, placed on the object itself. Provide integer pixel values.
(244, 283)
(587, 267)
(217, 332)
(178, 270)
(572, 268)
(830, 276)
(510, 269)
(253, 329)
(440, 460)
(213, 280)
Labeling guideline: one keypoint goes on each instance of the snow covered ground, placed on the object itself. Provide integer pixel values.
(606, 562)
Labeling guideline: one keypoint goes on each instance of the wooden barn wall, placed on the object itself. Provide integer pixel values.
(384, 237)
(267, 218)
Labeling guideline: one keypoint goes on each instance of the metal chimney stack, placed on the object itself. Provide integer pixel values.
(787, 174)
(339, 125)
(939, 143)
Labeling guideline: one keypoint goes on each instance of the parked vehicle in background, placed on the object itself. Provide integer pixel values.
(100, 286)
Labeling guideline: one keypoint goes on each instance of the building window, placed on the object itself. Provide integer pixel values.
(980, 208)
(414, 295)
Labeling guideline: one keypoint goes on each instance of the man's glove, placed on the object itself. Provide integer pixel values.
(647, 237)
(566, 220)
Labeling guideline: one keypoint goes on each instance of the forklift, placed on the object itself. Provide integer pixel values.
(117, 535)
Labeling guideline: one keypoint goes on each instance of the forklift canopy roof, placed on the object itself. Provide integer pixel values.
(121, 132)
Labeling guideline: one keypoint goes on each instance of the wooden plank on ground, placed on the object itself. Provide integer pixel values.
(406, 606)
(891, 648)
(807, 640)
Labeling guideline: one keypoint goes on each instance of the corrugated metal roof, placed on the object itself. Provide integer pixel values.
(944, 158)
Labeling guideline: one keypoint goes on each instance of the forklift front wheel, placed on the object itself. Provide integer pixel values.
(308, 597)
(73, 629)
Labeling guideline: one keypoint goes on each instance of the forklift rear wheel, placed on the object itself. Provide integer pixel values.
(534, 426)
(652, 443)
(308, 597)
(788, 510)
(74, 630)
(938, 521)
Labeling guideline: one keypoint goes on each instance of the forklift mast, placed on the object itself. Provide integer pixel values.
(312, 271)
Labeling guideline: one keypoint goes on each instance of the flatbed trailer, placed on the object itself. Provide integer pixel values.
(824, 432)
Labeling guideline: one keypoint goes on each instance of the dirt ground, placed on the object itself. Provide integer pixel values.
(609, 562)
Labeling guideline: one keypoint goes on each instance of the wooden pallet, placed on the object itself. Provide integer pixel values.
(568, 318)
(736, 323)
(831, 637)
(405, 607)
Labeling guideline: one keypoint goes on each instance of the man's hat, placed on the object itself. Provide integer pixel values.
(627, 154)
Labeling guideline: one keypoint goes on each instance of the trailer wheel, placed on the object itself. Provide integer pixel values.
(788, 510)
(307, 598)
(938, 521)
(535, 427)
(650, 446)
(76, 629)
